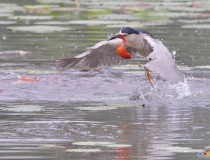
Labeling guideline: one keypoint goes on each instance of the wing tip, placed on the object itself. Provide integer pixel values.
(66, 62)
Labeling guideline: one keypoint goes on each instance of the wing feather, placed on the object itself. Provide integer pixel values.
(102, 54)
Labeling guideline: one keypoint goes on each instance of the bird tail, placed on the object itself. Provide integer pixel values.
(67, 62)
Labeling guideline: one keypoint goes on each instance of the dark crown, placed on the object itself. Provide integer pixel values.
(128, 30)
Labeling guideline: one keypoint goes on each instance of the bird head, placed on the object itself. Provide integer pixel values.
(127, 30)
(124, 32)
(127, 34)
(121, 49)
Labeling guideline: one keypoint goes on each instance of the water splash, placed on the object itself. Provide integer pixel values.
(9, 76)
(162, 90)
(182, 89)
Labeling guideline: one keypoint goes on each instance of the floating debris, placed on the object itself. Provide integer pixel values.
(202, 67)
(198, 26)
(28, 79)
(29, 17)
(96, 22)
(54, 2)
(95, 108)
(104, 144)
(24, 108)
(18, 52)
(69, 9)
(9, 8)
(142, 24)
(118, 145)
(38, 29)
(52, 23)
(92, 143)
(39, 9)
(177, 149)
(35, 79)
(118, 17)
(81, 150)
(104, 107)
(7, 22)
(5, 15)
(42, 72)
(52, 146)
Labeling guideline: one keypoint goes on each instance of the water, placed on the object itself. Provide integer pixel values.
(111, 114)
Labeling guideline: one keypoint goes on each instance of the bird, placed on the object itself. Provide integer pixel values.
(124, 45)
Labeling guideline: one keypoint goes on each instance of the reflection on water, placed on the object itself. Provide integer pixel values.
(112, 114)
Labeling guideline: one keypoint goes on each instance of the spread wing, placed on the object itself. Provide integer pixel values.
(161, 62)
(102, 54)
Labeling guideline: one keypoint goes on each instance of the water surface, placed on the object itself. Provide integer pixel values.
(112, 114)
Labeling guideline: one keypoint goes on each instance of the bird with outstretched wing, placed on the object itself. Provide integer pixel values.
(115, 50)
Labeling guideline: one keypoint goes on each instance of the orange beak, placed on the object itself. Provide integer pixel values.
(121, 50)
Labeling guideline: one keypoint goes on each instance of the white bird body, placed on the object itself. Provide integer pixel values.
(105, 53)
(161, 62)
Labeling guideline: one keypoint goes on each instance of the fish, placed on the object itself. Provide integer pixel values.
(122, 52)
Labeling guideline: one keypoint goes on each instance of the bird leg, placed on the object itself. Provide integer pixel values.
(149, 75)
